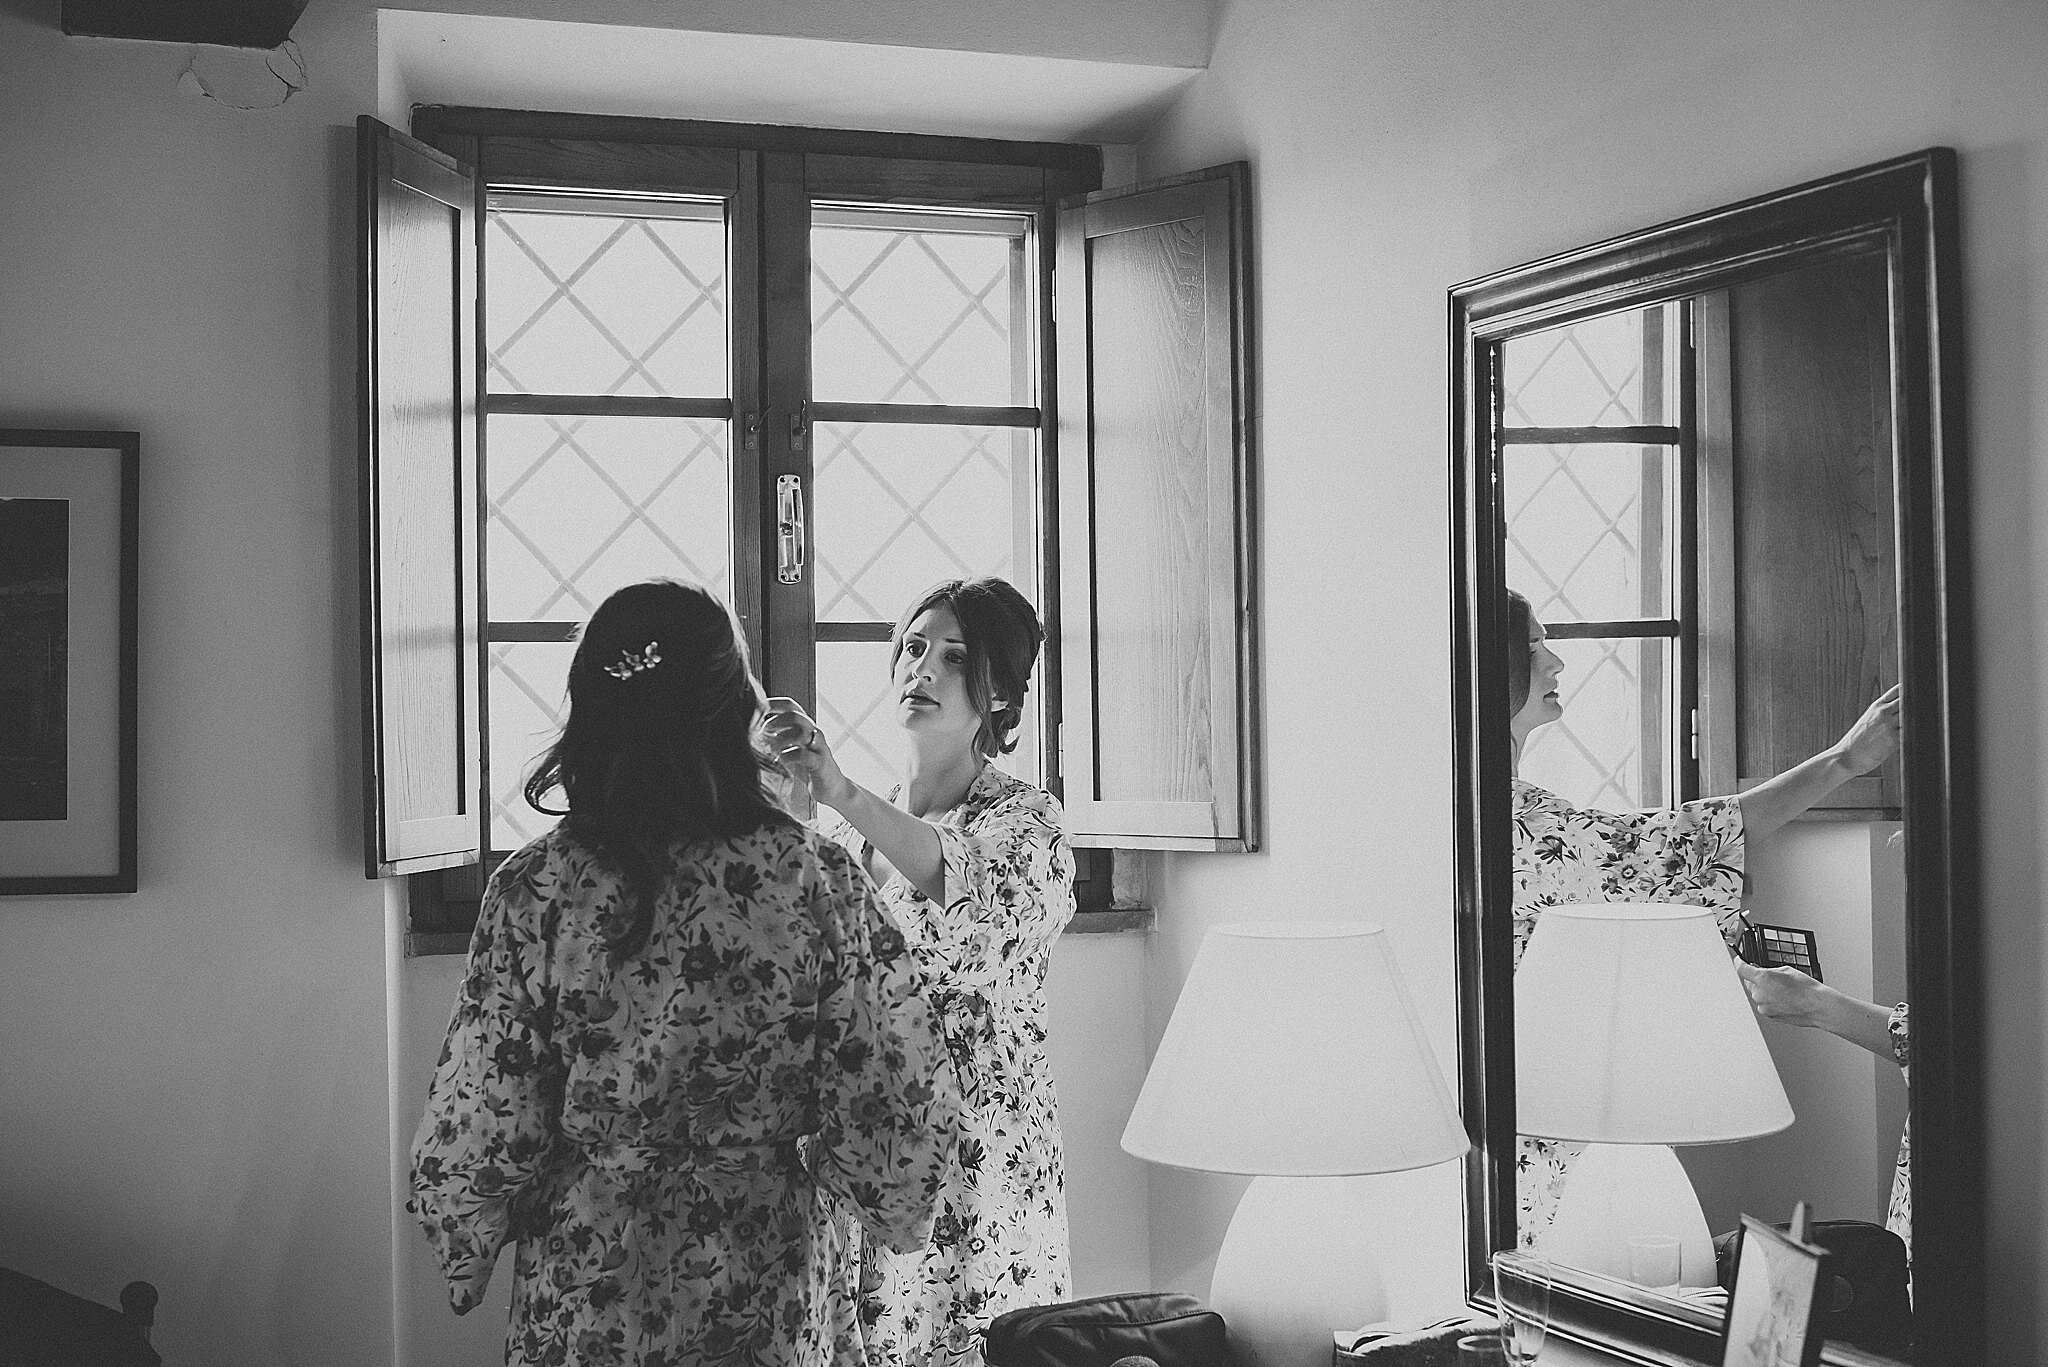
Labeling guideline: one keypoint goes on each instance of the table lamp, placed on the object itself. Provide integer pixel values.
(1633, 1033)
(1294, 1054)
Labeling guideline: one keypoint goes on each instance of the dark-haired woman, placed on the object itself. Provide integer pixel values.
(1692, 853)
(975, 870)
(684, 1016)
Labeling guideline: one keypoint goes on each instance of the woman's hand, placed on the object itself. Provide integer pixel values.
(1875, 736)
(792, 737)
(1784, 994)
(1864, 746)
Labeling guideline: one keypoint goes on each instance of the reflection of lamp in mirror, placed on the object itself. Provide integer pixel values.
(1295, 1054)
(1633, 1033)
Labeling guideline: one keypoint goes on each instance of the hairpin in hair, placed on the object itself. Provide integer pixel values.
(629, 663)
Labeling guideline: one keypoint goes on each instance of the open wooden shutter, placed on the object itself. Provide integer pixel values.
(422, 720)
(1158, 684)
(1798, 599)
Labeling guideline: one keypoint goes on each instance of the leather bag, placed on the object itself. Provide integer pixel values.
(1864, 1293)
(1170, 1328)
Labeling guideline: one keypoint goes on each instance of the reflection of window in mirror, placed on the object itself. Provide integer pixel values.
(1699, 505)
(1594, 449)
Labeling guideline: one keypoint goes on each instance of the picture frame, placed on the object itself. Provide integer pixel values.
(1774, 1309)
(69, 549)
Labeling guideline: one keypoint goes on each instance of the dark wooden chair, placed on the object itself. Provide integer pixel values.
(44, 1326)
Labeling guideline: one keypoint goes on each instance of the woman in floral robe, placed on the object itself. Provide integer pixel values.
(685, 1021)
(976, 872)
(1691, 854)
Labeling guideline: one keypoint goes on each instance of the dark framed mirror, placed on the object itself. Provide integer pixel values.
(1723, 460)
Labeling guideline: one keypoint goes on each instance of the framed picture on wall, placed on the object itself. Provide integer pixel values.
(68, 549)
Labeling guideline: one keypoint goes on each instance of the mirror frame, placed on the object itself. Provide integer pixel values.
(1906, 208)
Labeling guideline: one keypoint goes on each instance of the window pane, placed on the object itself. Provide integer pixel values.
(1589, 374)
(920, 308)
(605, 300)
(855, 708)
(1608, 752)
(529, 690)
(901, 506)
(582, 506)
(1590, 529)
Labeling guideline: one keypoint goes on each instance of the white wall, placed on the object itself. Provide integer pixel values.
(192, 1078)
(1406, 145)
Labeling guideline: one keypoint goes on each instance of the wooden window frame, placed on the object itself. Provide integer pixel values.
(790, 166)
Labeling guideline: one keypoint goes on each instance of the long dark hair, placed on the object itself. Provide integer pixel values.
(1000, 629)
(658, 748)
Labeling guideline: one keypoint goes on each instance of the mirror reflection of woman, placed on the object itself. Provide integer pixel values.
(974, 868)
(1691, 854)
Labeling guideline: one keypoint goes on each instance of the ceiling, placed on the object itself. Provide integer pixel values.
(436, 58)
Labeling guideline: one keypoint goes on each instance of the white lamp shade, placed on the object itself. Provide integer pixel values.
(1294, 1051)
(1631, 1027)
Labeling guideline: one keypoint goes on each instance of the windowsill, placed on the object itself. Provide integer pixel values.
(420, 944)
(1114, 921)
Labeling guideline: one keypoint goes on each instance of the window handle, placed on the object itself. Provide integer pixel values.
(789, 528)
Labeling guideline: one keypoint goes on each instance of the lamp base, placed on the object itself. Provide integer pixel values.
(1294, 1267)
(1617, 1191)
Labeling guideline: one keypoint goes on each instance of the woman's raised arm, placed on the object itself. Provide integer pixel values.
(1867, 744)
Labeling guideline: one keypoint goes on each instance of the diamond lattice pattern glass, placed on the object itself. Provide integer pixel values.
(592, 299)
(529, 682)
(919, 308)
(582, 506)
(901, 506)
(1615, 694)
(1588, 529)
(1591, 537)
(1589, 374)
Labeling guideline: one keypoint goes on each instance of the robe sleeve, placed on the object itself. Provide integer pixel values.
(494, 1105)
(1692, 854)
(1009, 892)
(888, 1096)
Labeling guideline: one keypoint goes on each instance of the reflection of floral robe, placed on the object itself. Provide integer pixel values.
(1564, 854)
(1001, 1237)
(654, 1133)
(1898, 1214)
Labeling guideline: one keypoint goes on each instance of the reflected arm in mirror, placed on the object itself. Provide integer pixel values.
(1793, 998)
(1867, 744)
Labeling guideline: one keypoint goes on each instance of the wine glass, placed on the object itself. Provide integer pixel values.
(1521, 1293)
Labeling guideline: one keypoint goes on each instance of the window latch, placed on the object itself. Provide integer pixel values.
(753, 432)
(799, 424)
(789, 529)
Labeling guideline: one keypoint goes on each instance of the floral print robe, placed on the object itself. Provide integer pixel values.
(1898, 1212)
(1000, 1241)
(654, 1134)
(1564, 854)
